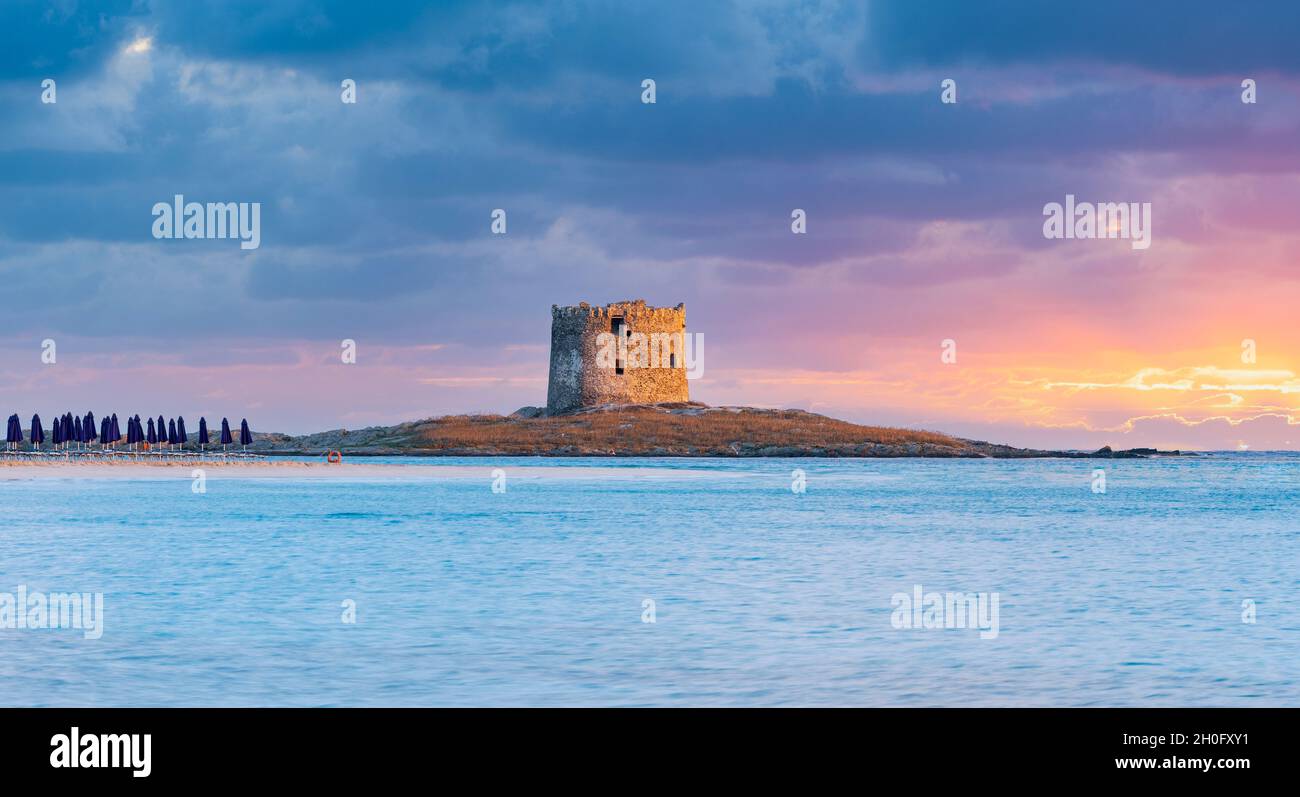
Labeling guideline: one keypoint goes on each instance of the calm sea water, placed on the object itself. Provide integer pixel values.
(762, 596)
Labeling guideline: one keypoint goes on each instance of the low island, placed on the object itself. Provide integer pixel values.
(670, 429)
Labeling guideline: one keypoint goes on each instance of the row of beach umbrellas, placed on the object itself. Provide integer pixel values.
(68, 429)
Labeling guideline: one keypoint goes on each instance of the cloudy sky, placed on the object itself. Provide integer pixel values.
(925, 219)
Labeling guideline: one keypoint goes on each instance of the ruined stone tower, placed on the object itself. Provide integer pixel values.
(622, 353)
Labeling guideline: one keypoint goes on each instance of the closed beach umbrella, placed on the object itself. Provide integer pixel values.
(78, 433)
(89, 426)
(203, 431)
(18, 430)
(69, 436)
(162, 430)
(9, 431)
(172, 439)
(115, 429)
(226, 438)
(181, 437)
(38, 432)
(56, 431)
(132, 434)
(245, 436)
(103, 431)
(152, 437)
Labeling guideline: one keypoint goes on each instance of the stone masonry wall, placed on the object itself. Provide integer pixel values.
(577, 378)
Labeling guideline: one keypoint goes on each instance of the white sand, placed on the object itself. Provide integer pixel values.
(279, 469)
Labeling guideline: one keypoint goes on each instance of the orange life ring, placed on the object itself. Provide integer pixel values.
(334, 457)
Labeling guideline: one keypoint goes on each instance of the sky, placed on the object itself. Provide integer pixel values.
(924, 218)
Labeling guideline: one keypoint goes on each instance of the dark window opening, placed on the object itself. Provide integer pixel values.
(617, 325)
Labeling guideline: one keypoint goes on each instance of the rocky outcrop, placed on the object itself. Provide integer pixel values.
(674, 429)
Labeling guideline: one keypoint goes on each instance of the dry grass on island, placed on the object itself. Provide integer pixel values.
(686, 429)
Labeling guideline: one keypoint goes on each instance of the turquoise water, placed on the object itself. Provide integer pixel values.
(762, 596)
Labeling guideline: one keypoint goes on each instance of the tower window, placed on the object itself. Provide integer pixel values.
(618, 326)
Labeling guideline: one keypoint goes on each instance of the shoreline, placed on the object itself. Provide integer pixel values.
(426, 469)
(33, 471)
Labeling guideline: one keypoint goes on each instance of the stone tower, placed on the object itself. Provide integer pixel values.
(622, 353)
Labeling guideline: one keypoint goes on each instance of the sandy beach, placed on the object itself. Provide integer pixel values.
(272, 469)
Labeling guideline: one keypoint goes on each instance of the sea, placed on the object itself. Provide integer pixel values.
(668, 582)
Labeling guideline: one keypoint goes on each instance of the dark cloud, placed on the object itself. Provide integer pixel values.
(1169, 36)
(41, 39)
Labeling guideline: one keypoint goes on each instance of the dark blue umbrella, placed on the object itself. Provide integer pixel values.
(103, 431)
(181, 437)
(114, 429)
(162, 430)
(68, 436)
(203, 431)
(56, 430)
(245, 436)
(172, 439)
(152, 438)
(226, 438)
(139, 429)
(78, 433)
(132, 435)
(9, 430)
(38, 431)
(89, 426)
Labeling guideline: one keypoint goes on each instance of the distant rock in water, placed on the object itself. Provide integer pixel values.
(1107, 452)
